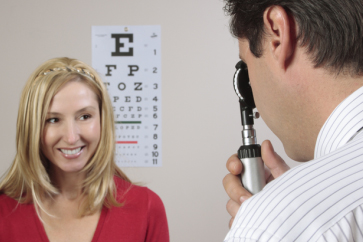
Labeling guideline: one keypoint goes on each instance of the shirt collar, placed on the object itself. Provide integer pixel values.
(342, 124)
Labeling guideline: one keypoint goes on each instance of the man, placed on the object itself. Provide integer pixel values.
(305, 63)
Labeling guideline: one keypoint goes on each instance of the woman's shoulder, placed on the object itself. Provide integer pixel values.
(11, 207)
(6, 204)
(142, 212)
(135, 195)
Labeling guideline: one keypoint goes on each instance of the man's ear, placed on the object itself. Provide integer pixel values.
(280, 38)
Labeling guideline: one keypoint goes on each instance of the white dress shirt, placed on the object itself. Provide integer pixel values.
(320, 200)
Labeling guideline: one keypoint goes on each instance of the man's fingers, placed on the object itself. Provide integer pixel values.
(232, 182)
(233, 186)
(230, 222)
(232, 207)
(234, 165)
(272, 160)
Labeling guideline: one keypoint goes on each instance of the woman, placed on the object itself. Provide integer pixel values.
(63, 184)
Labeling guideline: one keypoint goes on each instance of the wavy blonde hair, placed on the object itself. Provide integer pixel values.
(28, 179)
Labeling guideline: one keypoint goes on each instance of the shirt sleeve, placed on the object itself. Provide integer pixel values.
(157, 230)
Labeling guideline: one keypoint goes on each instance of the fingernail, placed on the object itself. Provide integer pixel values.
(242, 199)
(234, 167)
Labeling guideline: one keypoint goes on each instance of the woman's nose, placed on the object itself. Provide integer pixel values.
(71, 133)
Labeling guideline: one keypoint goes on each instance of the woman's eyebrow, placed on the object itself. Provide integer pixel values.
(86, 108)
(53, 113)
(79, 111)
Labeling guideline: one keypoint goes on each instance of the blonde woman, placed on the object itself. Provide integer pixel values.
(63, 184)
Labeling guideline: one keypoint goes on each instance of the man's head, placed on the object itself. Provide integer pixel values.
(303, 59)
(331, 30)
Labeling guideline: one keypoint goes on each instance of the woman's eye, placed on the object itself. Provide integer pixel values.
(84, 117)
(52, 120)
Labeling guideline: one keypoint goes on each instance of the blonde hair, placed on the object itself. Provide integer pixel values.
(27, 179)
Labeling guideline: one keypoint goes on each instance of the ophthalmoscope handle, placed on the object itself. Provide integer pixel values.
(253, 173)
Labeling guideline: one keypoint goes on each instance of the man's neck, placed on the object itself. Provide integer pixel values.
(315, 92)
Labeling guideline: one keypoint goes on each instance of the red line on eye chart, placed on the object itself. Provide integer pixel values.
(126, 142)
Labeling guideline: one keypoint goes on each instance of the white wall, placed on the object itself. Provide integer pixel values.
(201, 122)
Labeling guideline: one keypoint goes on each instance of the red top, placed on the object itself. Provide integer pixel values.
(142, 218)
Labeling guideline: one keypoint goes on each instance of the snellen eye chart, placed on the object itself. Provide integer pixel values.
(128, 58)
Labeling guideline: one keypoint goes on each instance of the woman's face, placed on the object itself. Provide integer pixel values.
(72, 129)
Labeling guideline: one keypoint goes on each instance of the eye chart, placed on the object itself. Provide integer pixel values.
(128, 58)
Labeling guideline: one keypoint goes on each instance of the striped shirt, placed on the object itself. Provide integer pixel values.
(320, 200)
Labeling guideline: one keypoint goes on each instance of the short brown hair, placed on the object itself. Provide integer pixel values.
(331, 30)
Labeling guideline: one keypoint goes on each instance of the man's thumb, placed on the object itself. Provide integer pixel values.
(272, 160)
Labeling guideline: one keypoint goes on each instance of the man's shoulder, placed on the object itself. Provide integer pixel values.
(306, 200)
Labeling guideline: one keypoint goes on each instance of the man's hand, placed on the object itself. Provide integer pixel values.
(275, 167)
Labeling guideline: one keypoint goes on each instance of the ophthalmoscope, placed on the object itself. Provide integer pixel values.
(253, 173)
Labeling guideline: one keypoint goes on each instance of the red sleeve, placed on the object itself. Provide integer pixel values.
(157, 230)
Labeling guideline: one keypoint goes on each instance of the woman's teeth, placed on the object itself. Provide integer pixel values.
(71, 152)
